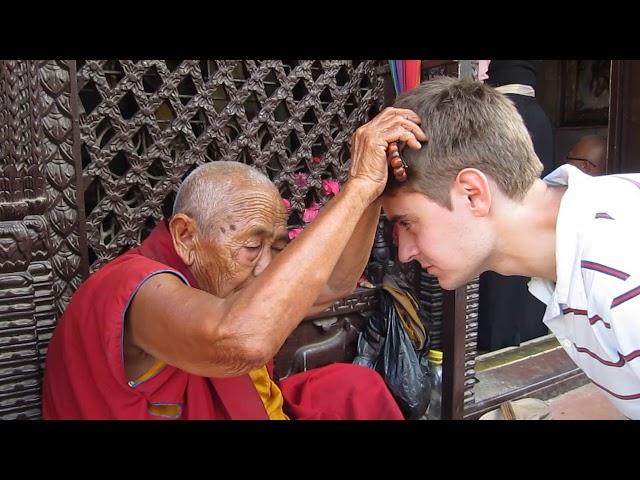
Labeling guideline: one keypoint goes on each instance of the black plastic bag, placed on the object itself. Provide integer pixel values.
(385, 346)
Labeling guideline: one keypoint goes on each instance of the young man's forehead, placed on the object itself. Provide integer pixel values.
(400, 200)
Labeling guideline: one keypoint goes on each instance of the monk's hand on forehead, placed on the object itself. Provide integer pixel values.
(392, 118)
(369, 152)
(394, 154)
(408, 114)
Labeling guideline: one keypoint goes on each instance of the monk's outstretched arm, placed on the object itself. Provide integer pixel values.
(210, 336)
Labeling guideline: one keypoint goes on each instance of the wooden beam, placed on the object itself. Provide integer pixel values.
(453, 347)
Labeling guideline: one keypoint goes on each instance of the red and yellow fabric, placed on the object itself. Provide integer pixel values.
(85, 376)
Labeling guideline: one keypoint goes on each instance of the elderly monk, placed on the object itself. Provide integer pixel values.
(186, 325)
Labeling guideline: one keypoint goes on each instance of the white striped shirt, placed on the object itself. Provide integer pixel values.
(594, 307)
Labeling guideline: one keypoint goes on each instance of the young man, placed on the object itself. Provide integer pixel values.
(471, 201)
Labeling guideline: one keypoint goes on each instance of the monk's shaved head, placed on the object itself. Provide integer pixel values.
(213, 191)
(227, 220)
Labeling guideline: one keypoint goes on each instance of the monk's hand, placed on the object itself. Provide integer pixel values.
(370, 145)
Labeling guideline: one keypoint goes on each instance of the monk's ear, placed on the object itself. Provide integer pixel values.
(472, 188)
(184, 234)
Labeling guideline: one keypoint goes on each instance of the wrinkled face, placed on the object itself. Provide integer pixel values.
(246, 239)
(449, 244)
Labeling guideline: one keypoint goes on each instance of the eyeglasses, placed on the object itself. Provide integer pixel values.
(583, 160)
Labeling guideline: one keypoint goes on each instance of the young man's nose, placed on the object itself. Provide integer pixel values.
(407, 249)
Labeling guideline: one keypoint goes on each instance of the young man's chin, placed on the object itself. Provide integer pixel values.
(447, 286)
(449, 283)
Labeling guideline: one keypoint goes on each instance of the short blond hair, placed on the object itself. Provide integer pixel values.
(468, 124)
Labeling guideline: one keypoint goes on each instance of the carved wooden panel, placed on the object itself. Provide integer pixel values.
(144, 124)
(26, 305)
(65, 213)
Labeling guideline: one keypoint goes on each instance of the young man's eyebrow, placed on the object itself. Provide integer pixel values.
(397, 218)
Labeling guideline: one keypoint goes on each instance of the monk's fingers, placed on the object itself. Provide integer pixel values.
(400, 112)
(415, 129)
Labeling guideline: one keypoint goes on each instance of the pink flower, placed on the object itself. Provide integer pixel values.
(330, 187)
(311, 213)
(287, 203)
(294, 232)
(316, 159)
(300, 179)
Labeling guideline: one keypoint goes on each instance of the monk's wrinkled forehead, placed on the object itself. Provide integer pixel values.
(223, 197)
(256, 208)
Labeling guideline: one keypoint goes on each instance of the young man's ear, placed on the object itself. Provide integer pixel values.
(472, 186)
(183, 232)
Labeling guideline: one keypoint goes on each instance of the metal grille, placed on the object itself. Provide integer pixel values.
(144, 124)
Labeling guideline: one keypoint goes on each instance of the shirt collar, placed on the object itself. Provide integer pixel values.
(568, 225)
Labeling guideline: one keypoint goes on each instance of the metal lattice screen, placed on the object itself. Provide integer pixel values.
(144, 124)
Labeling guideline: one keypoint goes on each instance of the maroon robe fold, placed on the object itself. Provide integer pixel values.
(85, 376)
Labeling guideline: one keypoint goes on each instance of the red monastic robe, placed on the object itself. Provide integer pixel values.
(85, 376)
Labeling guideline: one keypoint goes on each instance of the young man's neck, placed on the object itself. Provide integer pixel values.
(526, 232)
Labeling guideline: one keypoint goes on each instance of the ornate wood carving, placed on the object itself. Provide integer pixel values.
(145, 124)
(65, 213)
(26, 309)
